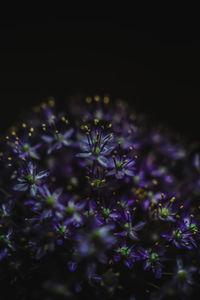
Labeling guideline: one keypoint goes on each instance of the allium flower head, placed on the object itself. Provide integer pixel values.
(95, 203)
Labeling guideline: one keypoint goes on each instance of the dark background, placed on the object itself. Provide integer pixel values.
(154, 66)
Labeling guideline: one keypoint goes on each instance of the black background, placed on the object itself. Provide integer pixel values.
(154, 66)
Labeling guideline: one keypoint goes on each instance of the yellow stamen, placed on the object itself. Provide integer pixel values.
(106, 100)
(96, 98)
(88, 99)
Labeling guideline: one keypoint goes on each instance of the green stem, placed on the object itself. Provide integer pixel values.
(153, 285)
(167, 273)
(4, 192)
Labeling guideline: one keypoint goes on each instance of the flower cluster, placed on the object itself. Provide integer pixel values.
(98, 204)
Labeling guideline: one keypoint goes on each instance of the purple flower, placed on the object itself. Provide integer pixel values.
(129, 229)
(45, 202)
(182, 235)
(183, 277)
(127, 254)
(139, 178)
(165, 209)
(191, 225)
(73, 212)
(30, 180)
(24, 150)
(50, 116)
(95, 242)
(121, 166)
(50, 198)
(61, 230)
(96, 147)
(56, 141)
(125, 205)
(106, 212)
(153, 260)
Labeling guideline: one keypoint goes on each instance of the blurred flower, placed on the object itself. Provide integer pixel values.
(183, 277)
(57, 140)
(95, 242)
(25, 150)
(129, 229)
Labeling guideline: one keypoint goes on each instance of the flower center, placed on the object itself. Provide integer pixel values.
(127, 226)
(2, 237)
(70, 210)
(50, 200)
(96, 182)
(179, 234)
(154, 257)
(125, 251)
(26, 147)
(58, 137)
(96, 235)
(137, 178)
(164, 212)
(182, 273)
(30, 178)
(96, 151)
(119, 165)
(193, 227)
(106, 211)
